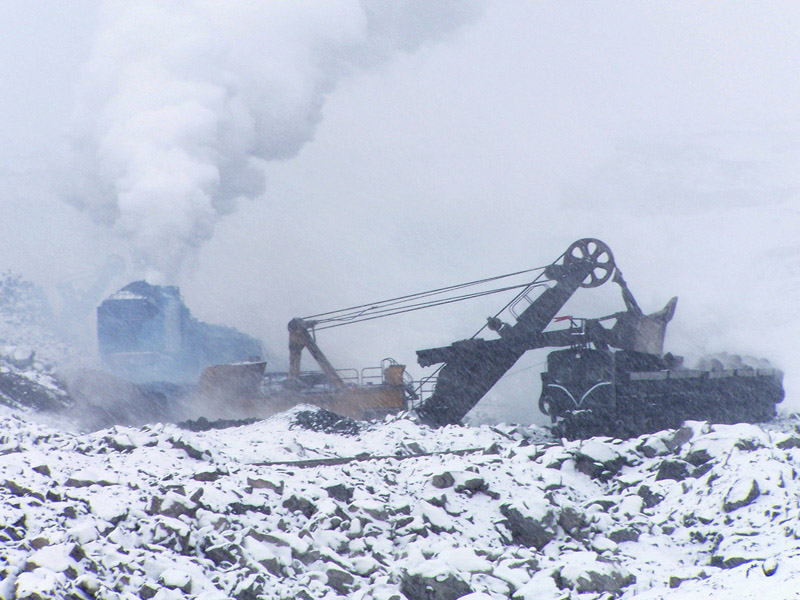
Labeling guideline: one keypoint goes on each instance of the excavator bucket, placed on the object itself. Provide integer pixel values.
(643, 333)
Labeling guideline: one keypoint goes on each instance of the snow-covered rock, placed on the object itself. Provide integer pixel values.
(161, 512)
(741, 493)
(586, 573)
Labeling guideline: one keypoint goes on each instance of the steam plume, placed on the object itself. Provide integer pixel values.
(182, 101)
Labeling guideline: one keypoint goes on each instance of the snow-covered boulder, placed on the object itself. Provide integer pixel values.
(531, 523)
(742, 492)
(584, 572)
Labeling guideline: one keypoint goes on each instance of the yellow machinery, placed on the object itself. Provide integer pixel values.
(362, 396)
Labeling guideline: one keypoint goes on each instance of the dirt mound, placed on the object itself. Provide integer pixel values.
(325, 421)
(203, 424)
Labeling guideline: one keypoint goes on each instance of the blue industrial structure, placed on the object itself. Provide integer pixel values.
(146, 333)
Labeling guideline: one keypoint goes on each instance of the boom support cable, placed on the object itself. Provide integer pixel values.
(400, 302)
(365, 315)
(422, 300)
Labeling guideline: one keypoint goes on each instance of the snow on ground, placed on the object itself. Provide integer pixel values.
(162, 512)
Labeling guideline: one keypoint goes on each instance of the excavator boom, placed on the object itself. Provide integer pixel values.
(472, 367)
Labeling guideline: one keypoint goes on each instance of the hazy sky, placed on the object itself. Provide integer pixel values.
(669, 130)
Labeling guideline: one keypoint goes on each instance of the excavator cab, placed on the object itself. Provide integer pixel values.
(578, 381)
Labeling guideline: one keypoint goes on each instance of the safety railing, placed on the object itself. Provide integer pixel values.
(524, 297)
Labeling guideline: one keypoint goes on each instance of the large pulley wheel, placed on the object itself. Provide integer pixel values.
(591, 249)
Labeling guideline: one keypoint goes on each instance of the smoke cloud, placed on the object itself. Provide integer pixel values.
(182, 102)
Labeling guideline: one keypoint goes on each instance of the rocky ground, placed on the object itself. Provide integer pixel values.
(272, 510)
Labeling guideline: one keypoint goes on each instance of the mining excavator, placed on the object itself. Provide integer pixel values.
(609, 377)
(607, 380)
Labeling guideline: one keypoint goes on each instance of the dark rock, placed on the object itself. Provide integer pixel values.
(53, 496)
(730, 562)
(299, 504)
(42, 470)
(626, 534)
(241, 508)
(379, 512)
(705, 520)
(268, 537)
(573, 522)
(588, 461)
(77, 553)
(647, 451)
(147, 591)
(39, 542)
(89, 586)
(221, 555)
(679, 438)
(414, 448)
(702, 470)
(417, 587)
(588, 466)
(790, 442)
(190, 450)
(203, 424)
(698, 457)
(208, 475)
(676, 470)
(472, 486)
(606, 505)
(326, 421)
(402, 522)
(273, 565)
(748, 445)
(340, 492)
(675, 581)
(769, 566)
(81, 483)
(11, 534)
(557, 463)
(741, 494)
(251, 588)
(440, 501)
(529, 531)
(265, 484)
(495, 448)
(599, 579)
(172, 506)
(697, 537)
(340, 581)
(649, 497)
(22, 491)
(649, 448)
(119, 443)
(443, 480)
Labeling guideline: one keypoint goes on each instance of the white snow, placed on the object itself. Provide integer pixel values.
(281, 530)
(55, 558)
(598, 451)
(175, 578)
